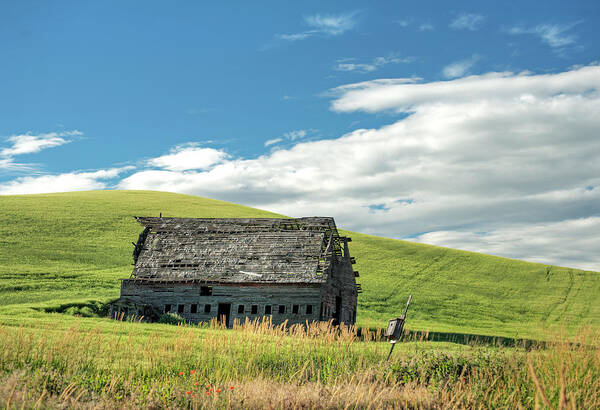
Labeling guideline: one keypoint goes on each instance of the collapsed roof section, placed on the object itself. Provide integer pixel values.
(237, 250)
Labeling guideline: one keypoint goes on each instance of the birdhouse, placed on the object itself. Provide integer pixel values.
(394, 329)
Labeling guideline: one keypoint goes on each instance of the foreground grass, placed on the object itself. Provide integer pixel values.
(57, 249)
(97, 363)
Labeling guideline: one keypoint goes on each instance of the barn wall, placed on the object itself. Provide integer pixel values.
(158, 295)
(340, 283)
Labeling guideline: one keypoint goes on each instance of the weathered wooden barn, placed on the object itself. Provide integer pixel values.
(200, 268)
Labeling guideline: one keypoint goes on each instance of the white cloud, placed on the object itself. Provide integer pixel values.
(189, 156)
(460, 68)
(296, 134)
(570, 241)
(29, 144)
(491, 153)
(290, 136)
(273, 141)
(333, 25)
(467, 21)
(403, 94)
(297, 36)
(404, 22)
(323, 25)
(73, 181)
(426, 27)
(392, 58)
(364, 68)
(555, 35)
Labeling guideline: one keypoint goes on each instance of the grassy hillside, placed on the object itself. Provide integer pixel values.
(60, 248)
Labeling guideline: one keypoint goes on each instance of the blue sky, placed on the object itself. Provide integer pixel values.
(466, 125)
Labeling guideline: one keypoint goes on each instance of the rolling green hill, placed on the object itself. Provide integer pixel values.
(73, 247)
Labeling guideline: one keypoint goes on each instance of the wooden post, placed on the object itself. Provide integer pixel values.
(396, 327)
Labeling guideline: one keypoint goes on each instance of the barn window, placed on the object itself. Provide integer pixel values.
(295, 309)
(205, 290)
(180, 308)
(241, 309)
(194, 308)
(254, 309)
(167, 308)
(281, 309)
(206, 308)
(309, 309)
(267, 309)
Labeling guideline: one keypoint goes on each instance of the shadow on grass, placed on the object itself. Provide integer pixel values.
(462, 338)
(91, 308)
(471, 339)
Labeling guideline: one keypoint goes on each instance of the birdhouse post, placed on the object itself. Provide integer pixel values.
(396, 327)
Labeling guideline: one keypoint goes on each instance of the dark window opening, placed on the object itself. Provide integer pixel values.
(180, 308)
(281, 309)
(194, 308)
(206, 308)
(167, 308)
(205, 290)
(295, 309)
(309, 309)
(241, 309)
(267, 309)
(254, 309)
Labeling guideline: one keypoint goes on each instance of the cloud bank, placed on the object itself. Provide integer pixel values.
(505, 163)
(71, 181)
(501, 163)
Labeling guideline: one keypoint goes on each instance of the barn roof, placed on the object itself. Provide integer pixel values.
(256, 250)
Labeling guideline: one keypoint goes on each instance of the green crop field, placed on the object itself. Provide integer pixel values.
(57, 249)
(61, 257)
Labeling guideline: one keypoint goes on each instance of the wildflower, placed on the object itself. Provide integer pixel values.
(181, 373)
(230, 387)
(196, 383)
(188, 392)
(192, 372)
(208, 393)
(218, 390)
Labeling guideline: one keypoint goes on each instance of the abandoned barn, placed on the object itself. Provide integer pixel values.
(202, 268)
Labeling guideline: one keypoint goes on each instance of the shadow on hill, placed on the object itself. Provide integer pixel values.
(453, 337)
(471, 339)
(91, 308)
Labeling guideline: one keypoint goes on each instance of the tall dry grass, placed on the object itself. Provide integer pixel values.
(257, 365)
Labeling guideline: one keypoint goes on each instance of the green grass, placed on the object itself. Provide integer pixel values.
(73, 247)
(84, 363)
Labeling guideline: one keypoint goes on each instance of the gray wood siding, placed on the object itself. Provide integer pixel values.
(158, 295)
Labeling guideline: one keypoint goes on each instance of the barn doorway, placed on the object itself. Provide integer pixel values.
(338, 310)
(224, 311)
